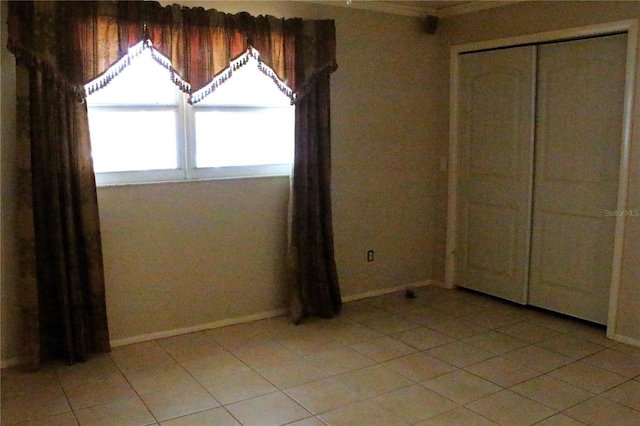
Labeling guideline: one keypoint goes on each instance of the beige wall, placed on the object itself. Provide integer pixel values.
(534, 17)
(182, 255)
(10, 314)
(389, 126)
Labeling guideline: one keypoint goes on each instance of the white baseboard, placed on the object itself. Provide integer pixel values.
(200, 327)
(388, 290)
(626, 340)
(440, 284)
(256, 317)
(12, 362)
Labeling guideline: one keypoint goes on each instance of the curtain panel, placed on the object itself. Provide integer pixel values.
(61, 46)
(311, 251)
(61, 271)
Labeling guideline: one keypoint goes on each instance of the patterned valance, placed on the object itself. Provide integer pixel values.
(78, 42)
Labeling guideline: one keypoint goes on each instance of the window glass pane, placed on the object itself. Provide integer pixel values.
(244, 136)
(142, 82)
(247, 86)
(129, 140)
(136, 124)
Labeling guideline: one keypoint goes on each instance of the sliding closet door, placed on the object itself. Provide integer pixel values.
(578, 137)
(495, 169)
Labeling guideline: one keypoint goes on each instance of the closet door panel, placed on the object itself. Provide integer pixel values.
(495, 168)
(578, 138)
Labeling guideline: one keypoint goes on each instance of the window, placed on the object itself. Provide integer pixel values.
(143, 130)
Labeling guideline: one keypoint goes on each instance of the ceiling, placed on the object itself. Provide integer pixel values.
(421, 8)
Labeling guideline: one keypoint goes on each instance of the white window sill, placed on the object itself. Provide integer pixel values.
(194, 175)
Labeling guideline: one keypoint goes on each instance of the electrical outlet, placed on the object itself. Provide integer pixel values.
(370, 256)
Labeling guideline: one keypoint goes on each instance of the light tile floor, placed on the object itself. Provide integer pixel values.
(448, 357)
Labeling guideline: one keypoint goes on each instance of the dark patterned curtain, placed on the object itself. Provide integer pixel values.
(311, 239)
(60, 46)
(62, 279)
(199, 43)
(311, 251)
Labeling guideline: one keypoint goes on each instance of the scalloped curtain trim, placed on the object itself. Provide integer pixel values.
(114, 70)
(235, 65)
(81, 92)
(193, 98)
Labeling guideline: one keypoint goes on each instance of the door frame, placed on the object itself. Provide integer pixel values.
(632, 85)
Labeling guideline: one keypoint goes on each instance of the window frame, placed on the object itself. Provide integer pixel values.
(147, 176)
(226, 172)
(186, 149)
